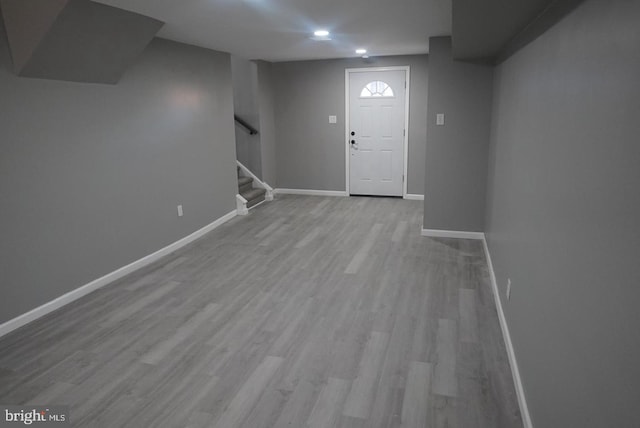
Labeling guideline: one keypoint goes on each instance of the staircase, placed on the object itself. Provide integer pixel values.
(253, 195)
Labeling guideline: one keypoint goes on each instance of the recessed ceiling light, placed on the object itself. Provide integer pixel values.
(361, 51)
(321, 33)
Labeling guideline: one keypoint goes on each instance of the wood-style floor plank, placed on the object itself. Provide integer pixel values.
(414, 412)
(313, 312)
(360, 398)
(445, 381)
(328, 406)
(248, 395)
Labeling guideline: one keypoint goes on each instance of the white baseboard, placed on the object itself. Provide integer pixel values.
(414, 197)
(437, 233)
(311, 192)
(241, 205)
(73, 295)
(524, 409)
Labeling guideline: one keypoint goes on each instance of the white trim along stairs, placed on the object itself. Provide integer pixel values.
(251, 190)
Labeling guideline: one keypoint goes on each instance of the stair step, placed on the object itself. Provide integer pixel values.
(244, 180)
(253, 196)
(244, 184)
(253, 193)
(255, 201)
(245, 188)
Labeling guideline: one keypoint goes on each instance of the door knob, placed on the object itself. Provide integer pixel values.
(353, 141)
(353, 133)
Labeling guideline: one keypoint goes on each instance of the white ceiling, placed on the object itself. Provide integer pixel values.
(280, 30)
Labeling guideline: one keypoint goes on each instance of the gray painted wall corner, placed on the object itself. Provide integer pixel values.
(246, 106)
(266, 111)
(456, 153)
(562, 215)
(90, 175)
(311, 152)
(75, 40)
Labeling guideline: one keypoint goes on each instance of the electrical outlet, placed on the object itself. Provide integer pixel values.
(508, 288)
(180, 213)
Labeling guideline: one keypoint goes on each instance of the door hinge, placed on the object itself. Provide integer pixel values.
(404, 132)
(403, 178)
(405, 84)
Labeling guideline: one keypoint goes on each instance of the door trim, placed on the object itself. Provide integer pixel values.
(347, 72)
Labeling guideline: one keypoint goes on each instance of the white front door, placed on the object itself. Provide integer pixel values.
(376, 134)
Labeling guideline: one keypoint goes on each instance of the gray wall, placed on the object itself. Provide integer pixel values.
(90, 175)
(87, 41)
(563, 212)
(310, 151)
(266, 105)
(245, 105)
(456, 153)
(26, 23)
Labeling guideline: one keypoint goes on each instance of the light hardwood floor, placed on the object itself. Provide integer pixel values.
(310, 312)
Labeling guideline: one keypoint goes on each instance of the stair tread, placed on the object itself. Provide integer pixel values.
(244, 180)
(245, 188)
(254, 202)
(253, 194)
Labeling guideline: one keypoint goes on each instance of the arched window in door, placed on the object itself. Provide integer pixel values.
(377, 88)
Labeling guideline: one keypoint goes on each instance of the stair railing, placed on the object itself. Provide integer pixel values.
(245, 125)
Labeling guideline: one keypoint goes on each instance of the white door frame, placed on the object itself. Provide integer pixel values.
(347, 72)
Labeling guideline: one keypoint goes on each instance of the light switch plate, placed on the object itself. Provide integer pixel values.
(440, 119)
(333, 119)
